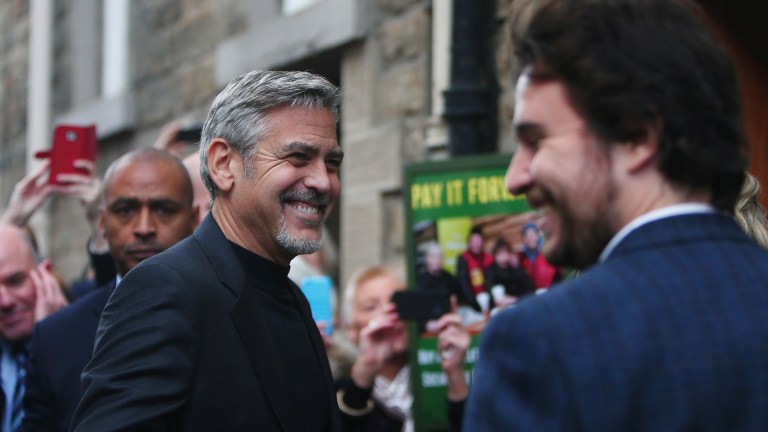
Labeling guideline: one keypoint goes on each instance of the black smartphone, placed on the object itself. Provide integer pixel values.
(190, 133)
(421, 306)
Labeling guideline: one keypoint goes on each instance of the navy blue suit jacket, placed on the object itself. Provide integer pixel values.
(62, 345)
(669, 333)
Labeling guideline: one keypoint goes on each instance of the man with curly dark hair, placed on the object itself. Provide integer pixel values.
(631, 147)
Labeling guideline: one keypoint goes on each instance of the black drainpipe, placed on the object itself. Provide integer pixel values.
(471, 101)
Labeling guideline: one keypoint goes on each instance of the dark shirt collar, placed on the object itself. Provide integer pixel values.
(260, 271)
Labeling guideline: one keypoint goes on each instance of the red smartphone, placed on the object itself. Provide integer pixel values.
(70, 142)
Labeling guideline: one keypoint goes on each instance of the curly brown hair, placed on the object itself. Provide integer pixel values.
(634, 66)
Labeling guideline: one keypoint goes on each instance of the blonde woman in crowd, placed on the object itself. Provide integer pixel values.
(749, 213)
(377, 396)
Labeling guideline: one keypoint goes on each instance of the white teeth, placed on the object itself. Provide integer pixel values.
(306, 209)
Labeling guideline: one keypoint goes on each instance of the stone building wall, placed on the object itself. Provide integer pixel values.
(385, 77)
(388, 128)
(14, 40)
(385, 80)
(172, 51)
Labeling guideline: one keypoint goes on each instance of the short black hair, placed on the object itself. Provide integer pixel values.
(631, 65)
(501, 244)
(149, 154)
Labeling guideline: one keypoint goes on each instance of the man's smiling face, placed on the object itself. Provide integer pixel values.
(565, 171)
(289, 187)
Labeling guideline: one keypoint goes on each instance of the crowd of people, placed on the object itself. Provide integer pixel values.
(631, 147)
(490, 278)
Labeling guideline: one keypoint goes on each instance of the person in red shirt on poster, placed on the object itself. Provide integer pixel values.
(471, 267)
(542, 273)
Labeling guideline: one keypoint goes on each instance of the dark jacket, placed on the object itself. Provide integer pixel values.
(182, 347)
(61, 346)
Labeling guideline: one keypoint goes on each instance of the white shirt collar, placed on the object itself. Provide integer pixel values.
(654, 215)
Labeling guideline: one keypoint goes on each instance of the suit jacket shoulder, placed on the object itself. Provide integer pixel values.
(651, 339)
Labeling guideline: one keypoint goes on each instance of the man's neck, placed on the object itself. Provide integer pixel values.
(240, 235)
(648, 193)
(653, 215)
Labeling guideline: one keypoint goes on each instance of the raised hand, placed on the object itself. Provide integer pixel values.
(49, 295)
(378, 342)
(452, 341)
(28, 195)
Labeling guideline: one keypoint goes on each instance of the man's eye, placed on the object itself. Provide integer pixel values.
(299, 157)
(165, 211)
(16, 279)
(333, 164)
(122, 210)
(532, 143)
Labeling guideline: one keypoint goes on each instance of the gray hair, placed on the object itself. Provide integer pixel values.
(238, 114)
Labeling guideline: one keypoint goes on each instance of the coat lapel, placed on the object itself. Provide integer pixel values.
(319, 348)
(105, 292)
(247, 315)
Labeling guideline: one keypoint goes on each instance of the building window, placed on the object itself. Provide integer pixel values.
(114, 58)
(291, 7)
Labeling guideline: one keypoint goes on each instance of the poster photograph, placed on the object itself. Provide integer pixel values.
(472, 239)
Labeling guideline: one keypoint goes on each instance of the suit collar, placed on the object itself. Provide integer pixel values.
(248, 315)
(105, 292)
(661, 213)
(680, 229)
(220, 253)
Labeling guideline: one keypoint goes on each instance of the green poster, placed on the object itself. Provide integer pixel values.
(445, 201)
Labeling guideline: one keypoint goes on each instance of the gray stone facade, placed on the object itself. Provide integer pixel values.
(14, 40)
(183, 51)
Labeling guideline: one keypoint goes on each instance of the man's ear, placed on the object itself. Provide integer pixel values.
(222, 161)
(100, 221)
(638, 154)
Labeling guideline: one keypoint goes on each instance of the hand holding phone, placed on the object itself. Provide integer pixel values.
(70, 143)
(190, 133)
(421, 306)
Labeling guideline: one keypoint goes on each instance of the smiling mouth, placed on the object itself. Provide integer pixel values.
(309, 210)
(9, 318)
(309, 205)
(308, 214)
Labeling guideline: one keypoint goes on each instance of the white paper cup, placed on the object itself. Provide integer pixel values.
(498, 292)
(484, 299)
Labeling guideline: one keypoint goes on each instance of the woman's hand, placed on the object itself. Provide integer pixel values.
(452, 342)
(377, 340)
